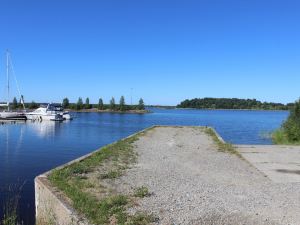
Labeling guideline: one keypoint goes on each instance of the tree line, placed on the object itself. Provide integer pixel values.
(113, 106)
(232, 103)
(79, 105)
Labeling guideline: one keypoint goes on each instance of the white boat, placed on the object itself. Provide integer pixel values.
(10, 115)
(66, 115)
(7, 114)
(45, 113)
(59, 109)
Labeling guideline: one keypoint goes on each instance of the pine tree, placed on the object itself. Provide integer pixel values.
(100, 104)
(141, 105)
(112, 105)
(15, 103)
(122, 103)
(87, 103)
(79, 104)
(65, 103)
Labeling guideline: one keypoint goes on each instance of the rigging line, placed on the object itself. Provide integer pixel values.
(17, 84)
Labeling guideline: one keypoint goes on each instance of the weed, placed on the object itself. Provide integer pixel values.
(112, 174)
(142, 219)
(141, 192)
(11, 204)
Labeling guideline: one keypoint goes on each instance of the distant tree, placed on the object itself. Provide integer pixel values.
(79, 104)
(100, 104)
(65, 103)
(33, 105)
(141, 105)
(87, 104)
(14, 103)
(122, 103)
(112, 105)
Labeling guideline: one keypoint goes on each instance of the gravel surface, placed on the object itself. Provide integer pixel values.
(191, 182)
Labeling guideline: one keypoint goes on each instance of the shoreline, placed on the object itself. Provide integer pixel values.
(94, 110)
(235, 109)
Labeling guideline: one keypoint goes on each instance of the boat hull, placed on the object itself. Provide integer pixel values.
(44, 117)
(67, 116)
(12, 116)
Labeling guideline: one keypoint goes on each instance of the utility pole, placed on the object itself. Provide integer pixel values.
(131, 96)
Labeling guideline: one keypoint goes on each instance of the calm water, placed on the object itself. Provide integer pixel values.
(27, 150)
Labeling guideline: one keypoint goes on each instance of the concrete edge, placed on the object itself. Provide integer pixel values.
(52, 207)
(217, 134)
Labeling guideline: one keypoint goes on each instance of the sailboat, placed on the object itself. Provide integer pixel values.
(8, 114)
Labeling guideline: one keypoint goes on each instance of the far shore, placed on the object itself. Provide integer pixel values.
(235, 109)
(110, 111)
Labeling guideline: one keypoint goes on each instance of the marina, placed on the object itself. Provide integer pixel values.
(47, 112)
(8, 114)
(149, 112)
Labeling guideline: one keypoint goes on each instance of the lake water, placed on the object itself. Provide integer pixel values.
(29, 149)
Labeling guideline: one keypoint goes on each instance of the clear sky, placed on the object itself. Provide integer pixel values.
(165, 50)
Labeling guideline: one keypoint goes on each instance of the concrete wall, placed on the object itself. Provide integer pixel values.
(51, 207)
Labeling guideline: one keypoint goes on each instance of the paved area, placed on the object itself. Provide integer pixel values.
(279, 163)
(191, 182)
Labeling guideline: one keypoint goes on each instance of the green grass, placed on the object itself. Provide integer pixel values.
(280, 138)
(222, 146)
(141, 219)
(141, 192)
(116, 158)
(112, 174)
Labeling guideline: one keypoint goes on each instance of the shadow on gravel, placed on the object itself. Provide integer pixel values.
(289, 171)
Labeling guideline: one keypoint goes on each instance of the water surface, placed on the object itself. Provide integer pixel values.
(29, 149)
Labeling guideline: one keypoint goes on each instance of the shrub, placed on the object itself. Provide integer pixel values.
(290, 129)
(291, 126)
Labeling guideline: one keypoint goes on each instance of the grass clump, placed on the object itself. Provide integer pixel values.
(112, 174)
(141, 192)
(109, 208)
(142, 219)
(289, 132)
(222, 146)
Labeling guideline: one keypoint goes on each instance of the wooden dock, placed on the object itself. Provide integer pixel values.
(2, 122)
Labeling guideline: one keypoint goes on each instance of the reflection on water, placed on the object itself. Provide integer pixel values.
(44, 129)
(31, 148)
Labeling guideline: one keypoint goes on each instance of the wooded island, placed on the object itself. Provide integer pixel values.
(232, 103)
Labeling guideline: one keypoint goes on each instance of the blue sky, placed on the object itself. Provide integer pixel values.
(166, 51)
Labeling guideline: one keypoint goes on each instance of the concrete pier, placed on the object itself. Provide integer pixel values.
(191, 181)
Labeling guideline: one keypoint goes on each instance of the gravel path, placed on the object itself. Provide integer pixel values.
(192, 183)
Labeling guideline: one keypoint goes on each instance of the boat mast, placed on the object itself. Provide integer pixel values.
(7, 74)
